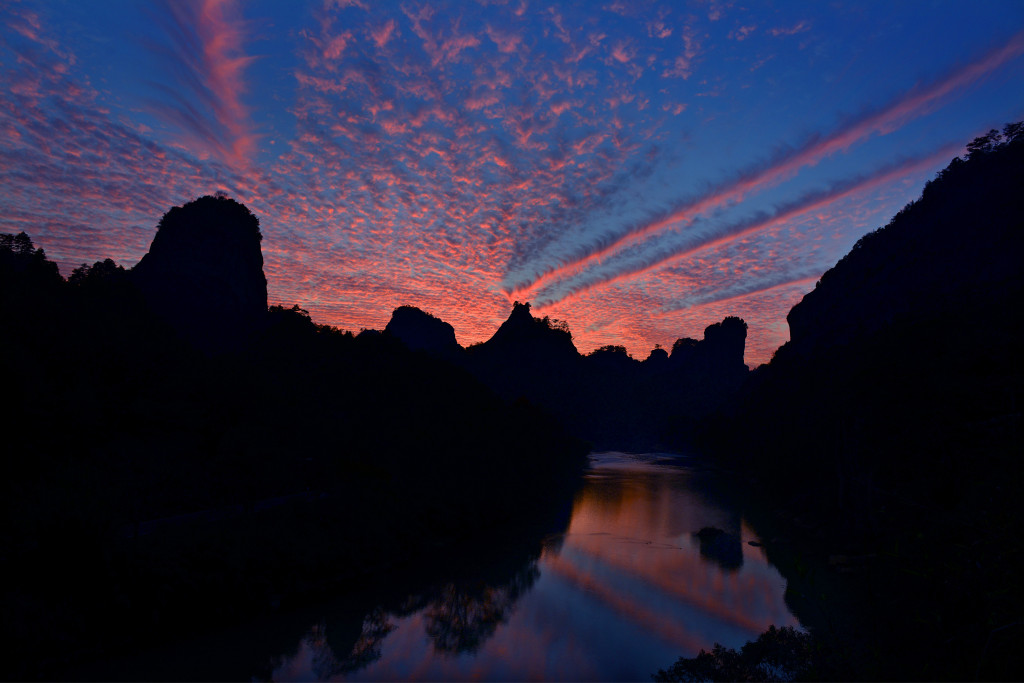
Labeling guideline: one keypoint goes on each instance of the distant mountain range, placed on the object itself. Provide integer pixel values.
(203, 277)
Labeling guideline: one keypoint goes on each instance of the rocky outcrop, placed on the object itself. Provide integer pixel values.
(421, 331)
(533, 359)
(723, 548)
(656, 364)
(723, 345)
(683, 351)
(719, 355)
(538, 340)
(612, 360)
(204, 272)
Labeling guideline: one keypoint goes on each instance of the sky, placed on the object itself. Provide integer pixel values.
(638, 169)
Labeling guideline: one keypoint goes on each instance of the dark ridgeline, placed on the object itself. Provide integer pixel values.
(887, 431)
(605, 397)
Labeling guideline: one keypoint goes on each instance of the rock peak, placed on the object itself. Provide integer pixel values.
(420, 330)
(204, 272)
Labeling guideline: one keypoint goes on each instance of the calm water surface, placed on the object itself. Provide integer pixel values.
(624, 590)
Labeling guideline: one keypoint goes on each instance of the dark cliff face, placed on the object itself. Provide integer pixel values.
(204, 272)
(918, 325)
(892, 418)
(421, 331)
(949, 255)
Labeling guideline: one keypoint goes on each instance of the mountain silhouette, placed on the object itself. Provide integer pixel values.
(919, 323)
(892, 419)
(204, 272)
(606, 396)
(530, 339)
(421, 331)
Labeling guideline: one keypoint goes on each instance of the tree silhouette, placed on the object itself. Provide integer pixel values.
(783, 654)
(105, 270)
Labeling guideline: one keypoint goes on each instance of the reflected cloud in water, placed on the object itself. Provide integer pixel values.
(635, 581)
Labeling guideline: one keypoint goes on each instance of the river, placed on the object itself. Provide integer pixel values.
(621, 586)
(624, 591)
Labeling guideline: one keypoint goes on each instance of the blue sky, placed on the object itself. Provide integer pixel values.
(640, 170)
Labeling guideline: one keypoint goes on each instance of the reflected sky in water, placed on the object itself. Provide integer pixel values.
(627, 589)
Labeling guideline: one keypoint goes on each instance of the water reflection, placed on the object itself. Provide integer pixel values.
(462, 617)
(721, 547)
(318, 650)
(647, 570)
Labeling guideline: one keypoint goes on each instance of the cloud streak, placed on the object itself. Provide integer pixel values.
(785, 165)
(206, 63)
(717, 237)
(744, 289)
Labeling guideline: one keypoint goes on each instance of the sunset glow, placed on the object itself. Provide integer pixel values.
(639, 170)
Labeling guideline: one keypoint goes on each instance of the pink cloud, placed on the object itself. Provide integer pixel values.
(716, 9)
(799, 27)
(560, 108)
(882, 121)
(742, 33)
(222, 32)
(476, 102)
(337, 45)
(804, 205)
(342, 4)
(506, 41)
(743, 291)
(383, 33)
(659, 29)
(622, 53)
(680, 68)
(206, 84)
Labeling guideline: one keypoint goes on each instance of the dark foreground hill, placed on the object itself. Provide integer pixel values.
(888, 427)
(178, 456)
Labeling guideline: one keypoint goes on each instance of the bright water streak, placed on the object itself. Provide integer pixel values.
(624, 592)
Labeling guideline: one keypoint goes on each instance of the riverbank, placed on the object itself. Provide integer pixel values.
(930, 595)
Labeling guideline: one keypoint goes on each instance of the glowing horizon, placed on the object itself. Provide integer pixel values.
(640, 172)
